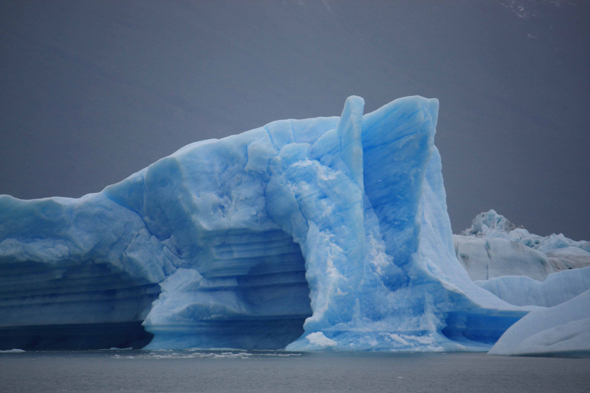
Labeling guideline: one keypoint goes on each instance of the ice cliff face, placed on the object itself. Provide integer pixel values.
(327, 233)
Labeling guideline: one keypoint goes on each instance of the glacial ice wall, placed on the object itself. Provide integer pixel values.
(326, 233)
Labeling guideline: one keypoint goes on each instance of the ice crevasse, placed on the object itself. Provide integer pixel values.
(320, 234)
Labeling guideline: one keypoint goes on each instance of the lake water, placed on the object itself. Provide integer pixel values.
(276, 371)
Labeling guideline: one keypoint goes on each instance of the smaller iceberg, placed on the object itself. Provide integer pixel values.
(549, 273)
(493, 247)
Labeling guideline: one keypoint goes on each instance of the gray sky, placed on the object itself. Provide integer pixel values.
(92, 91)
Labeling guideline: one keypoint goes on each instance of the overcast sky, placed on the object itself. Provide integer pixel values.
(92, 91)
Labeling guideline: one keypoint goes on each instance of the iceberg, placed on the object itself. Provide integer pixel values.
(320, 234)
(522, 268)
(494, 247)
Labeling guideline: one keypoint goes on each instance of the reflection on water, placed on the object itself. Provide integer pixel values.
(230, 370)
(204, 354)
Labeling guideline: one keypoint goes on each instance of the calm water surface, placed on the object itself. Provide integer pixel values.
(272, 371)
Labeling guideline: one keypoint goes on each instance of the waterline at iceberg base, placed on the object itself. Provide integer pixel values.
(321, 234)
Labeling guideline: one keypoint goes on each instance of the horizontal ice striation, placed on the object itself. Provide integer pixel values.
(319, 234)
(57, 288)
(72, 306)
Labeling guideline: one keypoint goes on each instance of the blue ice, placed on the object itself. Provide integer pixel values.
(319, 234)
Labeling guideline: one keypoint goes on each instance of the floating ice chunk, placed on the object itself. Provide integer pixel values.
(320, 340)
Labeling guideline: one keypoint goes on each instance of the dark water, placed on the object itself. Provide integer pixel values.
(265, 371)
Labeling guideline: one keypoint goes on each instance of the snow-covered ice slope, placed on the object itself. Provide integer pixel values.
(563, 330)
(327, 233)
